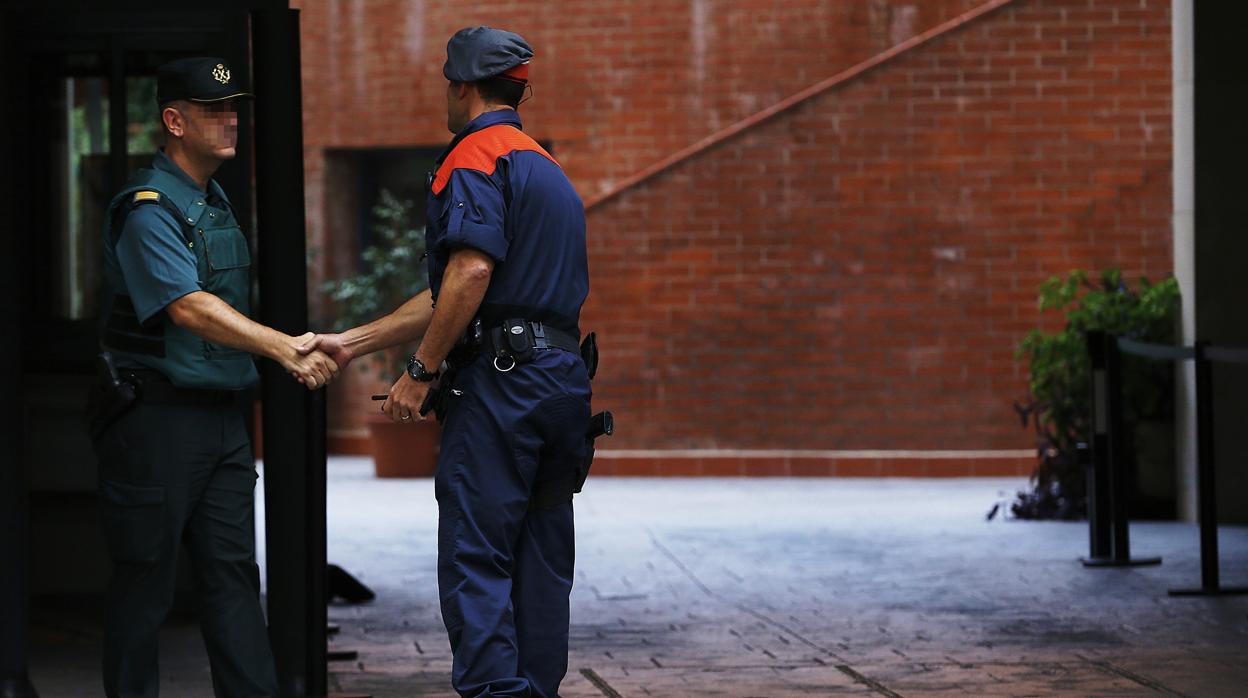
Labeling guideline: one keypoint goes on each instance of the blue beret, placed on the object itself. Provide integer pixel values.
(478, 53)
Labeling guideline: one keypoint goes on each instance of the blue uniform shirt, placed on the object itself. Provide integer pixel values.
(497, 191)
(156, 264)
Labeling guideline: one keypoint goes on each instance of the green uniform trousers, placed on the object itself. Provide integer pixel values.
(173, 474)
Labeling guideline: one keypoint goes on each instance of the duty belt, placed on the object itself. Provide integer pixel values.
(154, 388)
(515, 341)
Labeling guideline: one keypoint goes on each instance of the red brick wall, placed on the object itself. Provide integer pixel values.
(853, 274)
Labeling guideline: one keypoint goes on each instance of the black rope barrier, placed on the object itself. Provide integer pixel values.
(1161, 352)
(1227, 355)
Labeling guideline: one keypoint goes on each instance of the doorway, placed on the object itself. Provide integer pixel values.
(78, 117)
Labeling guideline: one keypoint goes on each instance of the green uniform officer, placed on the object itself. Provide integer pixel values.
(176, 467)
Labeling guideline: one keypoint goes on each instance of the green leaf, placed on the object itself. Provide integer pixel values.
(1059, 380)
(391, 270)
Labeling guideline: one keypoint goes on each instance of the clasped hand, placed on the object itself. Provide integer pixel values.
(314, 369)
(406, 395)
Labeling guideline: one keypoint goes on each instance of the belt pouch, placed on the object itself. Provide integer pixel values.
(109, 398)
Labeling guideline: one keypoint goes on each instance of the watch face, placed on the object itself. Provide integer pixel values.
(418, 371)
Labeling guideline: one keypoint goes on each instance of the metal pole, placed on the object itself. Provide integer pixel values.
(1121, 543)
(1206, 489)
(294, 420)
(1112, 526)
(1098, 538)
(1097, 467)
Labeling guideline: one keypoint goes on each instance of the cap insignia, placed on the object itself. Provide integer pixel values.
(221, 74)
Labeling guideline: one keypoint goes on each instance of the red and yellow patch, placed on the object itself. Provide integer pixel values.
(480, 151)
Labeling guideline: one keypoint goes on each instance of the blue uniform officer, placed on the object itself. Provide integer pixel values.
(506, 241)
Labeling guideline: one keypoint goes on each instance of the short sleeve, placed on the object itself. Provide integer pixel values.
(156, 263)
(476, 214)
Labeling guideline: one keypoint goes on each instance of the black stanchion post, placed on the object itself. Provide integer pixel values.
(1098, 455)
(1098, 532)
(1107, 454)
(1094, 455)
(1206, 491)
(1121, 543)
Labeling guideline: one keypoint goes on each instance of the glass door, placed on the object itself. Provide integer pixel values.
(98, 122)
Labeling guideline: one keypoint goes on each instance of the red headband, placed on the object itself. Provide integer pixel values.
(518, 74)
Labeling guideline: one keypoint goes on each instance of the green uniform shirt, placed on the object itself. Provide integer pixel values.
(164, 238)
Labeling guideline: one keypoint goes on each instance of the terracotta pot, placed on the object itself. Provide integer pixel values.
(404, 450)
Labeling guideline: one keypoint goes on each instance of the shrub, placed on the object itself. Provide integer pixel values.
(1059, 407)
(393, 270)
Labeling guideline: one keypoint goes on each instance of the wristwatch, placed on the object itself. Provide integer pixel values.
(418, 372)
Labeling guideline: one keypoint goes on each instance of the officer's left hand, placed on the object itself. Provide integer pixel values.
(406, 397)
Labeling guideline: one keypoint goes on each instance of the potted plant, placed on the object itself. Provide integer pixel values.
(1059, 405)
(392, 271)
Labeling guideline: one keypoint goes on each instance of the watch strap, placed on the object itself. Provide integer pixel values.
(416, 369)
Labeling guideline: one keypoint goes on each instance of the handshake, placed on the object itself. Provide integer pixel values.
(314, 360)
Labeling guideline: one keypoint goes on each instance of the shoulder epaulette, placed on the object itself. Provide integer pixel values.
(481, 151)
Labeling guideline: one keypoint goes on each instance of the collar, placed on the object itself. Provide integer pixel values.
(511, 117)
(163, 162)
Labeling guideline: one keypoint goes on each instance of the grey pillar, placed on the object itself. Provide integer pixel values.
(1184, 230)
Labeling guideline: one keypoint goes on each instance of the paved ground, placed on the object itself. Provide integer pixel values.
(777, 587)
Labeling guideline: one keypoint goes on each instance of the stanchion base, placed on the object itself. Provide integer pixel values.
(1216, 591)
(1112, 562)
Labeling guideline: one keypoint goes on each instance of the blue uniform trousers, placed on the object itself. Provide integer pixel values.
(505, 571)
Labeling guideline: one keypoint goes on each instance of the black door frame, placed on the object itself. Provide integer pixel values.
(47, 35)
(294, 433)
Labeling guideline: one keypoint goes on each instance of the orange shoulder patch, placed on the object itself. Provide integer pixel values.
(481, 151)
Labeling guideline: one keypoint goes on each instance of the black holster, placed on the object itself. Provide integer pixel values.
(552, 493)
(511, 344)
(548, 495)
(438, 399)
(110, 397)
(601, 424)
